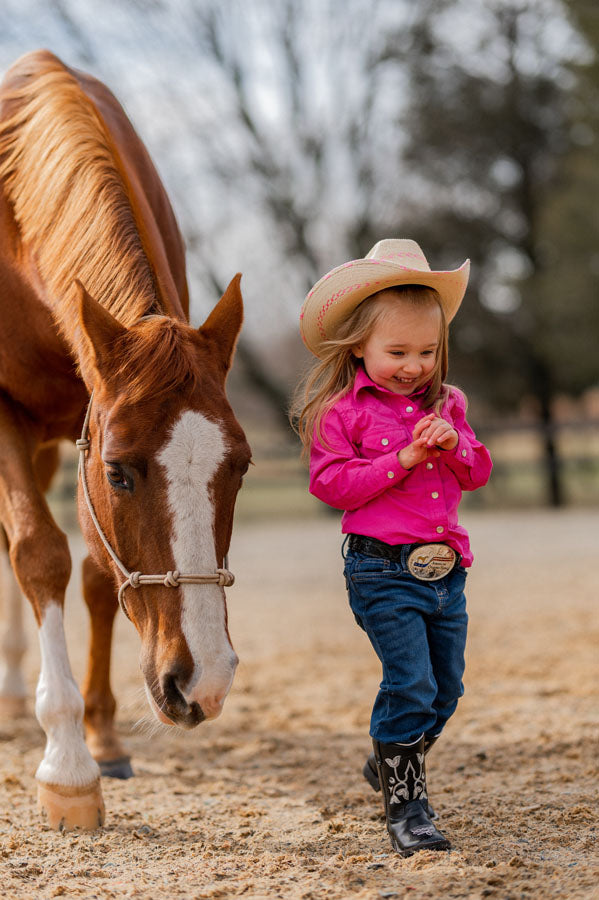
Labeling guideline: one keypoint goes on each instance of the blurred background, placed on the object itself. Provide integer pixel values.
(293, 134)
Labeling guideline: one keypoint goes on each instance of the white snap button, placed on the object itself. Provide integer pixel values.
(384, 441)
(440, 529)
(409, 409)
(390, 474)
(429, 465)
(434, 495)
(464, 453)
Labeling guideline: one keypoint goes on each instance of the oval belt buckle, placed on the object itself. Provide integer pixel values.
(431, 562)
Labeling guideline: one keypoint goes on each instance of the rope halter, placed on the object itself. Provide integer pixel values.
(223, 577)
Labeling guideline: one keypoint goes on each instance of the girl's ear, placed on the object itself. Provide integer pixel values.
(358, 351)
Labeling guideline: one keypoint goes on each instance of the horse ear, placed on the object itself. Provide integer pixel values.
(223, 325)
(99, 330)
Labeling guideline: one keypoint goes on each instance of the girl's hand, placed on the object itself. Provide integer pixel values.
(430, 432)
(418, 450)
(438, 432)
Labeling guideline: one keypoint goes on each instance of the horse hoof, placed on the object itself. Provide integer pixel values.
(116, 768)
(65, 808)
(13, 707)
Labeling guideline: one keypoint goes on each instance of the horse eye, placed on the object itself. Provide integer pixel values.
(118, 479)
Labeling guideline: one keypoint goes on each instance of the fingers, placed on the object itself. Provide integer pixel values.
(416, 452)
(422, 424)
(424, 427)
(430, 432)
(437, 431)
(436, 434)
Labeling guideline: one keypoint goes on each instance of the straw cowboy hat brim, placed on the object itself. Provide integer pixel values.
(390, 263)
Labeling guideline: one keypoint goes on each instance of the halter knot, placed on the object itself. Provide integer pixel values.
(225, 578)
(171, 579)
(82, 444)
(134, 579)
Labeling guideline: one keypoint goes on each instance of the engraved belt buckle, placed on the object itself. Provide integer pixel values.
(431, 562)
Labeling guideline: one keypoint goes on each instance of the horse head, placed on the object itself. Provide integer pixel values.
(165, 461)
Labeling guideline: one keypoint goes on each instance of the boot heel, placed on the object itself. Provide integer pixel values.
(371, 774)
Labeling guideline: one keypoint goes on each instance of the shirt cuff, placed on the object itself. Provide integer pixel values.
(389, 467)
(463, 452)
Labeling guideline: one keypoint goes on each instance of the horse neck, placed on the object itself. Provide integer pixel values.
(132, 261)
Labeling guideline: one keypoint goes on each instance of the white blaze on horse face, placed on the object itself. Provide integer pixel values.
(191, 457)
(59, 710)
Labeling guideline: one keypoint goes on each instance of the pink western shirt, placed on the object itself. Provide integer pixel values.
(360, 473)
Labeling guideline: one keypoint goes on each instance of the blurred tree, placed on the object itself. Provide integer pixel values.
(568, 278)
(303, 150)
(502, 149)
(468, 126)
(297, 151)
(294, 135)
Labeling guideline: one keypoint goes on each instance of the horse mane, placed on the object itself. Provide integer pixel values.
(64, 178)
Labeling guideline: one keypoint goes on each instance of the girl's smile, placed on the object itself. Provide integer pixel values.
(401, 352)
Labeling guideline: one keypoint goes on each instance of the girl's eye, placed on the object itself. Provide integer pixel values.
(118, 479)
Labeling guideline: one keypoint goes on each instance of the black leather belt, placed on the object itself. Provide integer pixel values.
(426, 562)
(373, 547)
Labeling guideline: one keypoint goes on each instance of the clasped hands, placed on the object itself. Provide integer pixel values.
(430, 433)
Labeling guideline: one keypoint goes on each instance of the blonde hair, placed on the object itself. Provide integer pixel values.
(333, 375)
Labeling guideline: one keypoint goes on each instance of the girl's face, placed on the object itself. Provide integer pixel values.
(402, 350)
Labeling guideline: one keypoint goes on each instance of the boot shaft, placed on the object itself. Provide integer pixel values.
(402, 771)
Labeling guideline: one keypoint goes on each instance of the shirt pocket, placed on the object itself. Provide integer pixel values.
(384, 439)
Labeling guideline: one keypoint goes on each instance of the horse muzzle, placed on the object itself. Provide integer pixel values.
(173, 705)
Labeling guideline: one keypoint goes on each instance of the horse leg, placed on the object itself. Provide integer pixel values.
(100, 596)
(13, 642)
(69, 792)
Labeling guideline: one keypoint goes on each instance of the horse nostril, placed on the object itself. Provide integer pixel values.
(196, 714)
(187, 714)
(171, 692)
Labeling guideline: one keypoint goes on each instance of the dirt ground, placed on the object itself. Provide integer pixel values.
(269, 801)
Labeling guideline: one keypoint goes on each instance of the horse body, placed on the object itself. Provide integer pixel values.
(93, 298)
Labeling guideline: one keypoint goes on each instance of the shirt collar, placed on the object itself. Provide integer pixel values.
(363, 382)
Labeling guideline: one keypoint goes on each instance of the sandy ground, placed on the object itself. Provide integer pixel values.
(269, 802)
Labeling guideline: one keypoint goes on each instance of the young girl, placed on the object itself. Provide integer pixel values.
(389, 444)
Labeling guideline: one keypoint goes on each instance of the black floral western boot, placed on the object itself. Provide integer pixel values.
(402, 778)
(370, 772)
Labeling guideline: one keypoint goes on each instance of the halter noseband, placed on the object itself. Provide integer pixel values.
(222, 577)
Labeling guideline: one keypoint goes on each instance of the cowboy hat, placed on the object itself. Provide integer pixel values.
(390, 262)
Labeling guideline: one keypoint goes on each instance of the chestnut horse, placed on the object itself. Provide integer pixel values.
(93, 300)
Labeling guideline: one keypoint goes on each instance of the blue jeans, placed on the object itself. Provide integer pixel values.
(418, 630)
